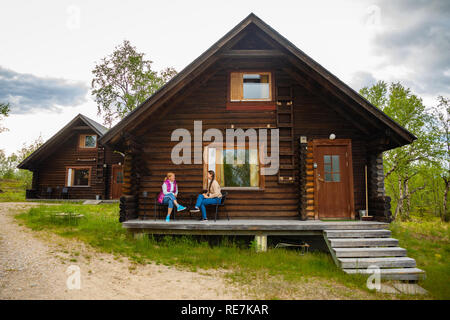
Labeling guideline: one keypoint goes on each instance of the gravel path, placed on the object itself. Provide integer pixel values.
(34, 265)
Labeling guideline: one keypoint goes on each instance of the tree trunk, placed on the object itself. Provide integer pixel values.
(445, 214)
(399, 207)
(407, 197)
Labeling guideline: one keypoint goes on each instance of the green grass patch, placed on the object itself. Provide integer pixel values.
(12, 190)
(427, 240)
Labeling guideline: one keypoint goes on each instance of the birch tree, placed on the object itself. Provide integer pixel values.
(123, 80)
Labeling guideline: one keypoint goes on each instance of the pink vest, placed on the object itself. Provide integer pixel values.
(167, 182)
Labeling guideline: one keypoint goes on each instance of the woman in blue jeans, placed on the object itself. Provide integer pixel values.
(168, 195)
(212, 196)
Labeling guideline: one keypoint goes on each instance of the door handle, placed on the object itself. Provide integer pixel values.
(320, 179)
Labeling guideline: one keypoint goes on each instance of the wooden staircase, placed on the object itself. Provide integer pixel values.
(285, 123)
(354, 250)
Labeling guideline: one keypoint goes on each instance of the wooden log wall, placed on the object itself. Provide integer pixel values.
(133, 169)
(379, 203)
(208, 104)
(302, 180)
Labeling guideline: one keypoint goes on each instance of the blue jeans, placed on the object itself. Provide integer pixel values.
(169, 199)
(202, 202)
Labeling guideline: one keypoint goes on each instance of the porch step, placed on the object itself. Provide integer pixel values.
(369, 252)
(355, 250)
(358, 233)
(405, 274)
(356, 225)
(395, 262)
(362, 242)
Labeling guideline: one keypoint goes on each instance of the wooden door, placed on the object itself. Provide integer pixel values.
(334, 183)
(116, 181)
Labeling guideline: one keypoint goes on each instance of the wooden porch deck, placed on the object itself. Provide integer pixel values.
(247, 227)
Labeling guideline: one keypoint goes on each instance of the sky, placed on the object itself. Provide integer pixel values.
(49, 48)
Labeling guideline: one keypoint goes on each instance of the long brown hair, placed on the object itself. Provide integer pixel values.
(212, 179)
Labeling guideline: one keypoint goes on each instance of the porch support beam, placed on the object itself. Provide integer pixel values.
(261, 242)
(252, 53)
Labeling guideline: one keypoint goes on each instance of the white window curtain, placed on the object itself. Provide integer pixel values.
(69, 177)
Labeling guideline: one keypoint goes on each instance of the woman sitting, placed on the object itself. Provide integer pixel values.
(212, 196)
(168, 194)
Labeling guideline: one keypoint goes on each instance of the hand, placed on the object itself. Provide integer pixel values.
(205, 195)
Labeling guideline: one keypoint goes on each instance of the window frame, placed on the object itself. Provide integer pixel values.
(73, 176)
(206, 164)
(252, 104)
(82, 141)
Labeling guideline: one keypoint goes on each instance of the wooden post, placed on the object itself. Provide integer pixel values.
(380, 204)
(139, 235)
(261, 242)
(301, 181)
(134, 168)
(367, 192)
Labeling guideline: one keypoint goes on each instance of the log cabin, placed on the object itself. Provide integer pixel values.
(331, 140)
(73, 164)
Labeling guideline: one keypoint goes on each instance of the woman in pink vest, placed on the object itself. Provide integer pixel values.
(168, 194)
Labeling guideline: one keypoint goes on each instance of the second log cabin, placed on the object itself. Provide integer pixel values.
(73, 164)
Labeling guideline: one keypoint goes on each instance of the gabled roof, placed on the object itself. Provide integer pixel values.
(402, 136)
(53, 141)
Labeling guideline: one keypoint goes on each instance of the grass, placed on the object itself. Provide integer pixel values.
(12, 190)
(100, 228)
(427, 240)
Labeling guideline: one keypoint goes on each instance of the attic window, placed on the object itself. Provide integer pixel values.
(88, 141)
(251, 86)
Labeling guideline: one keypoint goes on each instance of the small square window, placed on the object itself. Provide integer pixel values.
(88, 141)
(251, 86)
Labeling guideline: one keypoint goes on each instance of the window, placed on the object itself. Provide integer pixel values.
(78, 177)
(88, 141)
(331, 168)
(235, 167)
(119, 178)
(251, 86)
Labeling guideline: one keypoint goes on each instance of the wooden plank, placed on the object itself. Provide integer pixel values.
(358, 233)
(251, 53)
(412, 274)
(369, 252)
(397, 262)
(362, 242)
